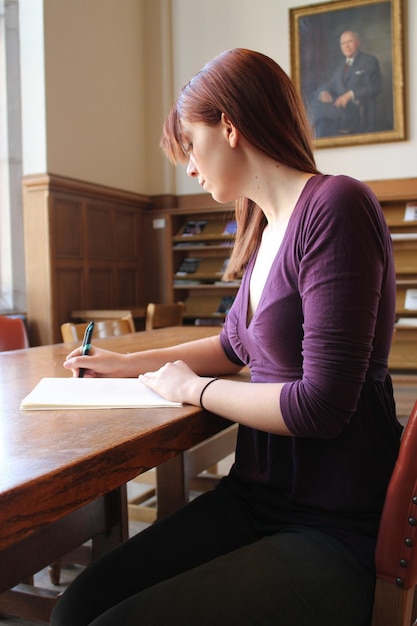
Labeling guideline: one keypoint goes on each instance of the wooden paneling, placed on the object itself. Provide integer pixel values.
(84, 250)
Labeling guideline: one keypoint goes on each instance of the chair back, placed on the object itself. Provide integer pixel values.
(396, 551)
(164, 315)
(13, 334)
(103, 328)
(103, 314)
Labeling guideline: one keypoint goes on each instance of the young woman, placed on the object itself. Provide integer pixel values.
(288, 537)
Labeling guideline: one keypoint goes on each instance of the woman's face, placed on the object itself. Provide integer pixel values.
(212, 159)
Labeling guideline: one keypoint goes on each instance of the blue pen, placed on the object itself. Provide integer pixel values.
(86, 345)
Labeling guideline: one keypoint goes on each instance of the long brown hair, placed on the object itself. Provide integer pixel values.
(261, 101)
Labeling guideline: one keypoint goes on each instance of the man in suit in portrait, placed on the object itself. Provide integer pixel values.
(346, 103)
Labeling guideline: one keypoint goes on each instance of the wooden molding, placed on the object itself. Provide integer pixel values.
(55, 183)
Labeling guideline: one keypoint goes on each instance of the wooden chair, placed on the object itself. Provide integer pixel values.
(396, 552)
(163, 315)
(85, 315)
(103, 328)
(13, 334)
(170, 483)
(74, 332)
(156, 316)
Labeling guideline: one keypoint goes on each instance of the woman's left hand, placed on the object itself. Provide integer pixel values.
(175, 382)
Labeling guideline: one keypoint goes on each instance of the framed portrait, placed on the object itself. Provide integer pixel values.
(347, 62)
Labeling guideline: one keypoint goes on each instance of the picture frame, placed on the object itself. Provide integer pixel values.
(375, 113)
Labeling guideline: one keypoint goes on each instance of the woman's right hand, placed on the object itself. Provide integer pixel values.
(98, 363)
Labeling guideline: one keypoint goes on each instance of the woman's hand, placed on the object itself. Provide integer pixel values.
(253, 405)
(175, 382)
(98, 363)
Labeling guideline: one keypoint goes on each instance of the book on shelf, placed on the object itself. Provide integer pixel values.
(406, 322)
(225, 304)
(410, 300)
(190, 244)
(410, 212)
(193, 227)
(188, 265)
(208, 321)
(207, 268)
(230, 228)
(206, 306)
(228, 283)
(224, 266)
(93, 393)
(186, 282)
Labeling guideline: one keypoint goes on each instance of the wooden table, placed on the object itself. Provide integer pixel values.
(62, 473)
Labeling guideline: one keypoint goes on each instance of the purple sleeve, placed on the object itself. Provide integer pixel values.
(346, 282)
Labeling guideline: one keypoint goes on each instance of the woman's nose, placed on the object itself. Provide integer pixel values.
(191, 168)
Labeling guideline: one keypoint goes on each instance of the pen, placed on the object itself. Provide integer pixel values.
(86, 345)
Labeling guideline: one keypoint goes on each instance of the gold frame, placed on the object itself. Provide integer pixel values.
(350, 12)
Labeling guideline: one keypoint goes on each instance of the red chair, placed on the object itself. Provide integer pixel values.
(396, 552)
(13, 334)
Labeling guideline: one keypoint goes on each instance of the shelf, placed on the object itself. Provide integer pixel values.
(201, 246)
(399, 204)
(211, 306)
(196, 247)
(405, 253)
(406, 298)
(204, 230)
(202, 289)
(207, 269)
(218, 287)
(403, 355)
(400, 215)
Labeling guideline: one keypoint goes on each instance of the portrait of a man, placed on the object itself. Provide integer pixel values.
(347, 103)
(344, 60)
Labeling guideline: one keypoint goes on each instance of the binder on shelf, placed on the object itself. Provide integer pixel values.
(225, 304)
(230, 228)
(189, 265)
(205, 230)
(410, 214)
(208, 269)
(193, 227)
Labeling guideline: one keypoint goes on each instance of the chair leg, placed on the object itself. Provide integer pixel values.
(54, 571)
(393, 606)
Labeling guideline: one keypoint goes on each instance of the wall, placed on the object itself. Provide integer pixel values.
(203, 29)
(95, 80)
(110, 75)
(95, 91)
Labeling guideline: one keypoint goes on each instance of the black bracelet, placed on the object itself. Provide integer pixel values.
(203, 390)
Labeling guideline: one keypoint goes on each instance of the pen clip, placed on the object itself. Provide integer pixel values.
(86, 345)
(88, 333)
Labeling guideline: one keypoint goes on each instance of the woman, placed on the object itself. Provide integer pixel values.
(288, 537)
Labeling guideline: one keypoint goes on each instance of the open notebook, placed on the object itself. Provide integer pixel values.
(92, 393)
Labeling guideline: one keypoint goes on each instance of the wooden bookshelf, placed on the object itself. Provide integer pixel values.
(398, 199)
(201, 244)
(166, 249)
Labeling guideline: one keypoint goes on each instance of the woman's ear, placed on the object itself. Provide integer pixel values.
(231, 131)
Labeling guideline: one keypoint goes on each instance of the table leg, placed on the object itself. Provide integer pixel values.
(104, 521)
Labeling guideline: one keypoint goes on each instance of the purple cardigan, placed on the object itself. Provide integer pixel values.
(323, 326)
